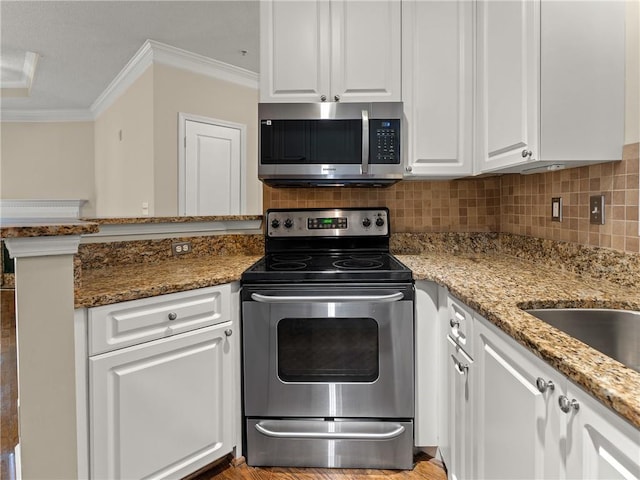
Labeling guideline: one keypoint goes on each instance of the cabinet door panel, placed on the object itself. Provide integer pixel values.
(600, 445)
(437, 86)
(508, 56)
(295, 59)
(366, 58)
(162, 408)
(518, 428)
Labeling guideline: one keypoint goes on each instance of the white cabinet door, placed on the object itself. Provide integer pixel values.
(330, 50)
(437, 87)
(365, 51)
(600, 445)
(508, 44)
(460, 394)
(295, 50)
(164, 408)
(518, 431)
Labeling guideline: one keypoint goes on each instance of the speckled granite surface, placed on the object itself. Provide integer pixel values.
(50, 227)
(130, 220)
(102, 286)
(497, 286)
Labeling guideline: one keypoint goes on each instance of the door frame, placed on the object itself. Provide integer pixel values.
(182, 157)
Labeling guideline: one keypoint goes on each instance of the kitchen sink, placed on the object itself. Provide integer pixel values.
(616, 333)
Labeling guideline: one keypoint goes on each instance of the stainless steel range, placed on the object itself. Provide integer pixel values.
(327, 319)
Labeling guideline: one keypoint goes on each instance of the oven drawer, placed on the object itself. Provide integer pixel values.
(330, 444)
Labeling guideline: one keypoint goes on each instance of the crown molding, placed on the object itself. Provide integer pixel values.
(150, 53)
(153, 52)
(42, 246)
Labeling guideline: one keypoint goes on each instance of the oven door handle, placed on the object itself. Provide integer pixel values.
(392, 297)
(267, 428)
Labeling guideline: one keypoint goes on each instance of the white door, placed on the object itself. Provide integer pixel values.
(212, 169)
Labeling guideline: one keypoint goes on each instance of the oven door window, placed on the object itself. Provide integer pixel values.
(337, 350)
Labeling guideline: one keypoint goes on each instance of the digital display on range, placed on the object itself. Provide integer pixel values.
(327, 223)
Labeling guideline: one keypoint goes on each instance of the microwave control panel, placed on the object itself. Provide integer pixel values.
(385, 141)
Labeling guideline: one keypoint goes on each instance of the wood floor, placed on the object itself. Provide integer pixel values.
(8, 385)
(426, 468)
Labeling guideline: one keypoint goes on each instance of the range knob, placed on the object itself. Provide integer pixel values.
(379, 221)
(288, 223)
(275, 223)
(366, 223)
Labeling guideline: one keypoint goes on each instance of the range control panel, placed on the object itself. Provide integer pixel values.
(328, 222)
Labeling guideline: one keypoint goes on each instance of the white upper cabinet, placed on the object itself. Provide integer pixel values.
(437, 87)
(330, 50)
(550, 83)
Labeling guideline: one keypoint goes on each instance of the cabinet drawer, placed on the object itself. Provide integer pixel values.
(460, 324)
(112, 327)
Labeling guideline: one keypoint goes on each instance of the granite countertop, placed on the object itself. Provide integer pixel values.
(46, 227)
(498, 286)
(102, 286)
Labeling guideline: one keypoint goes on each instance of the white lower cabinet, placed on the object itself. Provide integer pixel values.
(460, 415)
(600, 445)
(165, 408)
(533, 422)
(518, 428)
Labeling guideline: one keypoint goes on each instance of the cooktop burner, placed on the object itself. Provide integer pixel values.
(327, 245)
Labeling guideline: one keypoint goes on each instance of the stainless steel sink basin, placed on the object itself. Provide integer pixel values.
(616, 333)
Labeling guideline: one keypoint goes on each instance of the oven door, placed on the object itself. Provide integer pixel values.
(326, 352)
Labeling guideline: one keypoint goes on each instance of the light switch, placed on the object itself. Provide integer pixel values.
(596, 209)
(556, 209)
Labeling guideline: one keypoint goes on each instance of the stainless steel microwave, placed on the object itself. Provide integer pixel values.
(330, 144)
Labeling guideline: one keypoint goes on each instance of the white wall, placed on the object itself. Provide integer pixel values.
(48, 161)
(176, 91)
(124, 154)
(632, 73)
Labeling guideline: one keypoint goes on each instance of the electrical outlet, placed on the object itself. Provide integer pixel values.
(596, 209)
(180, 248)
(556, 209)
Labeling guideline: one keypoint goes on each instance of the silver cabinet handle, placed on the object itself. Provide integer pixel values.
(323, 98)
(365, 141)
(454, 323)
(408, 169)
(336, 98)
(272, 431)
(172, 315)
(461, 368)
(228, 332)
(567, 405)
(527, 153)
(544, 385)
(392, 297)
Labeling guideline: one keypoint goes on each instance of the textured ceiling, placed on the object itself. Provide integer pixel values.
(83, 45)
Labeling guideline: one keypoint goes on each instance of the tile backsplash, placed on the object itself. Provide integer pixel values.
(517, 204)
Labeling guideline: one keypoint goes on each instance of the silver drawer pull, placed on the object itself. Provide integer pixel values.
(393, 297)
(228, 332)
(172, 315)
(265, 428)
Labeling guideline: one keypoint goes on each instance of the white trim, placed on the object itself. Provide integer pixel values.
(134, 68)
(40, 208)
(182, 194)
(151, 52)
(170, 228)
(21, 247)
(42, 116)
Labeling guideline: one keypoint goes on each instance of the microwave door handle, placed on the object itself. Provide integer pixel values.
(365, 142)
(393, 297)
